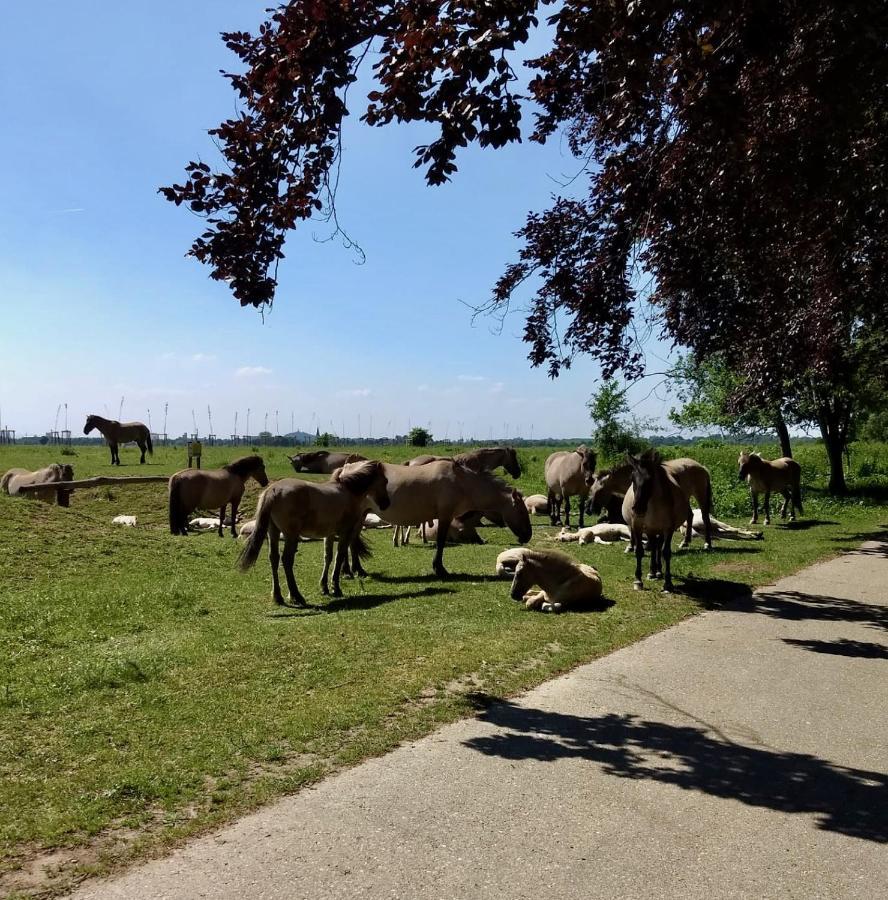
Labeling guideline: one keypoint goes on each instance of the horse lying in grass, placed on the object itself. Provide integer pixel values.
(331, 510)
(193, 489)
(116, 433)
(568, 474)
(15, 479)
(322, 462)
(602, 533)
(537, 505)
(463, 530)
(564, 583)
(764, 476)
(722, 530)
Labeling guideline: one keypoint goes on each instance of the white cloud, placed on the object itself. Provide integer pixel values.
(355, 392)
(471, 378)
(203, 357)
(251, 371)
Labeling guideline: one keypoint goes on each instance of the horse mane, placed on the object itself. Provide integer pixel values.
(550, 556)
(243, 466)
(359, 477)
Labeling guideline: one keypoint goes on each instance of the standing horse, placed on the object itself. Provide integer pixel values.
(568, 474)
(193, 489)
(655, 505)
(322, 462)
(116, 433)
(692, 477)
(331, 509)
(764, 477)
(484, 459)
(15, 479)
(443, 490)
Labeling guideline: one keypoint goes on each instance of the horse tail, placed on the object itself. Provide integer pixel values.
(178, 514)
(250, 553)
(361, 547)
(4, 482)
(708, 499)
(148, 442)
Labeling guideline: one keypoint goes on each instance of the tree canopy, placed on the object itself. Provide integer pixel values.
(734, 158)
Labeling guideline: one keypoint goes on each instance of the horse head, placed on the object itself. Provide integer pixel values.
(90, 424)
(511, 464)
(365, 479)
(517, 517)
(588, 459)
(598, 490)
(296, 461)
(744, 462)
(644, 472)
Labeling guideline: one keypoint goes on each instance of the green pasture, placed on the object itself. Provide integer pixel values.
(148, 690)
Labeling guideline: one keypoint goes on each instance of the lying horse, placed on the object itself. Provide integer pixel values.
(116, 433)
(332, 510)
(15, 479)
(602, 533)
(565, 583)
(537, 505)
(463, 530)
(655, 505)
(443, 490)
(322, 462)
(568, 474)
(764, 477)
(692, 477)
(722, 529)
(193, 489)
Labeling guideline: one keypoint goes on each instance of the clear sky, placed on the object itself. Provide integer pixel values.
(102, 103)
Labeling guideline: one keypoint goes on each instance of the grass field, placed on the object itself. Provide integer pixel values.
(149, 691)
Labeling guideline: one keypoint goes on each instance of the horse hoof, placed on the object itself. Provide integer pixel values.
(279, 600)
(638, 585)
(337, 592)
(707, 546)
(667, 590)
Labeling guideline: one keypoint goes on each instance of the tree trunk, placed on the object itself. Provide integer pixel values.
(782, 434)
(834, 442)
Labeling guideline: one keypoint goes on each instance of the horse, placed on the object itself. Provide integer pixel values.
(764, 476)
(121, 433)
(484, 459)
(443, 490)
(193, 489)
(322, 462)
(655, 504)
(602, 533)
(565, 583)
(15, 479)
(463, 530)
(722, 529)
(693, 478)
(568, 473)
(332, 509)
(537, 505)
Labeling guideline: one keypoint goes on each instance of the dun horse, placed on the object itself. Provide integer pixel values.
(568, 474)
(484, 459)
(443, 490)
(655, 505)
(564, 582)
(764, 477)
(116, 433)
(15, 479)
(322, 462)
(193, 489)
(331, 509)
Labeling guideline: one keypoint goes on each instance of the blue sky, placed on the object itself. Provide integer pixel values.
(102, 103)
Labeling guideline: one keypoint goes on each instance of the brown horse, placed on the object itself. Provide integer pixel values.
(193, 489)
(322, 462)
(332, 510)
(484, 459)
(568, 473)
(655, 505)
(692, 477)
(443, 490)
(765, 476)
(15, 479)
(116, 433)
(564, 582)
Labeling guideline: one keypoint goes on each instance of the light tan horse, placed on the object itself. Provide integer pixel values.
(331, 510)
(193, 489)
(15, 479)
(463, 530)
(564, 583)
(537, 505)
(693, 478)
(655, 505)
(764, 476)
(322, 462)
(116, 433)
(484, 459)
(568, 473)
(443, 490)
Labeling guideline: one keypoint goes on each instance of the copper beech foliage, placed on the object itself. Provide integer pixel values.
(734, 160)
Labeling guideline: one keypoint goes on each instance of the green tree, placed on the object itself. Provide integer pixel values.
(419, 437)
(614, 431)
(322, 440)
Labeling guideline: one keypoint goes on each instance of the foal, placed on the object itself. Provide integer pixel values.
(764, 476)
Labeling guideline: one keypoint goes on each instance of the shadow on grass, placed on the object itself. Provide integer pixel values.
(351, 601)
(717, 593)
(842, 647)
(430, 576)
(843, 800)
(804, 524)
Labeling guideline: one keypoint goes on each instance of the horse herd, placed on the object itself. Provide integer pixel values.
(646, 500)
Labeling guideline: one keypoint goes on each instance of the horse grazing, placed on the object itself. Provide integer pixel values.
(322, 462)
(765, 476)
(15, 479)
(116, 433)
(331, 510)
(655, 505)
(608, 488)
(568, 474)
(193, 489)
(443, 490)
(484, 459)
(564, 582)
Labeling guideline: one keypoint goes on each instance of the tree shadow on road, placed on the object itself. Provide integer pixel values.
(844, 800)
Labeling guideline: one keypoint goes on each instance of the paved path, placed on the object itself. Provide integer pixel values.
(739, 754)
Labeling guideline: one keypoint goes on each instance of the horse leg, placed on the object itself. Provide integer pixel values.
(536, 600)
(655, 548)
(113, 448)
(667, 555)
(767, 507)
(787, 499)
(341, 557)
(222, 520)
(143, 447)
(689, 530)
(357, 569)
(706, 509)
(566, 510)
(291, 545)
(328, 557)
(234, 507)
(755, 507)
(438, 563)
(554, 509)
(274, 557)
(638, 584)
(582, 502)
